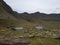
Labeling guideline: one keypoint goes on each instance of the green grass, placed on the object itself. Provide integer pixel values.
(44, 41)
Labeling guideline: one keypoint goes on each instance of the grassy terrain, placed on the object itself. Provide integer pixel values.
(7, 33)
(44, 41)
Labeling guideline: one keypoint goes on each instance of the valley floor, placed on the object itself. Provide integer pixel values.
(50, 35)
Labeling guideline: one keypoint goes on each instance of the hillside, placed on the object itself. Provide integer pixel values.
(7, 18)
(5, 10)
(5, 14)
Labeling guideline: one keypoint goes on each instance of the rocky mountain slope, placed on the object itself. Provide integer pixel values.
(5, 10)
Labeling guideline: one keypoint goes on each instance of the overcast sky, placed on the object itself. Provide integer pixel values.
(45, 6)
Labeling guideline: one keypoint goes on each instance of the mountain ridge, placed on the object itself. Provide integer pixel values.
(7, 12)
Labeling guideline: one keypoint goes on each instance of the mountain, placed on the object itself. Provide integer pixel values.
(5, 10)
(9, 17)
(6, 15)
(37, 16)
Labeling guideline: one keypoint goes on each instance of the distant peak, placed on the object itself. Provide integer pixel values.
(25, 12)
